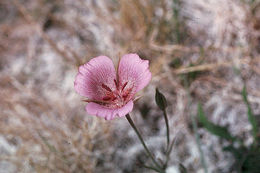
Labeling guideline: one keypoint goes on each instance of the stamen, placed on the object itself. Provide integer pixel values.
(116, 83)
(125, 95)
(88, 101)
(124, 86)
(95, 101)
(106, 98)
(106, 87)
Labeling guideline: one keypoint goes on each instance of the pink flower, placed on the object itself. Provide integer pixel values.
(110, 93)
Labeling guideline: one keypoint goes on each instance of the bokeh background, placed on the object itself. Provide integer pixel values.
(199, 51)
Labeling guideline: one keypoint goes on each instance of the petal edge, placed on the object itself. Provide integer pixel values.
(108, 113)
(91, 76)
(132, 68)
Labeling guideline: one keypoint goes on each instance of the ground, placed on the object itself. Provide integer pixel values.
(199, 52)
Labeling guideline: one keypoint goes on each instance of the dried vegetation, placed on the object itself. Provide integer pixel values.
(199, 44)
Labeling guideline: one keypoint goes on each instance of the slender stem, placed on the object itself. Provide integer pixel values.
(202, 158)
(167, 128)
(195, 128)
(168, 152)
(152, 168)
(142, 141)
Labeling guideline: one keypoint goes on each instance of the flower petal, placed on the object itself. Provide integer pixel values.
(108, 113)
(92, 75)
(135, 71)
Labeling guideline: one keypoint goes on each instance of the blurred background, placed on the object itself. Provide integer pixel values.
(199, 51)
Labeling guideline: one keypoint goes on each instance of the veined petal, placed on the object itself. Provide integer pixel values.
(95, 77)
(108, 113)
(134, 71)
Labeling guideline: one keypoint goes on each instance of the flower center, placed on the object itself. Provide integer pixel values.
(117, 98)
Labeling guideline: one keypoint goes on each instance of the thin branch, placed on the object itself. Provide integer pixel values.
(129, 119)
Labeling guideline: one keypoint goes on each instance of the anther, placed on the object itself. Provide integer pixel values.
(116, 83)
(106, 98)
(106, 87)
(125, 95)
(124, 86)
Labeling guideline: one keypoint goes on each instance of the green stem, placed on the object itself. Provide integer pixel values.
(152, 168)
(198, 142)
(202, 158)
(195, 128)
(168, 152)
(250, 115)
(129, 119)
(167, 128)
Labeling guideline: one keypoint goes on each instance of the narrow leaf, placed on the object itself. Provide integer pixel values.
(251, 117)
(211, 127)
(236, 152)
(182, 168)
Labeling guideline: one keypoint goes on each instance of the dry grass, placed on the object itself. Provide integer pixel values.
(42, 43)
